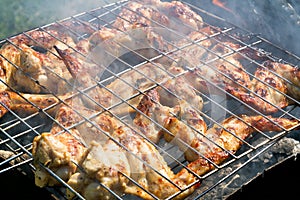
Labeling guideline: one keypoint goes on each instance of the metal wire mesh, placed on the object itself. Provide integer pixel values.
(18, 131)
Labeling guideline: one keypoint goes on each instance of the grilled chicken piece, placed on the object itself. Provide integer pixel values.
(192, 50)
(229, 135)
(114, 43)
(171, 94)
(127, 86)
(179, 88)
(102, 165)
(155, 118)
(30, 71)
(44, 39)
(226, 70)
(144, 120)
(187, 129)
(10, 56)
(290, 74)
(25, 104)
(39, 74)
(58, 149)
(155, 176)
(267, 92)
(173, 15)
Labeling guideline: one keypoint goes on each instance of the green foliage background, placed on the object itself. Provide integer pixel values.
(21, 15)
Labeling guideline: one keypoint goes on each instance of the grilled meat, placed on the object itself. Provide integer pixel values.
(290, 74)
(182, 133)
(176, 89)
(102, 166)
(89, 147)
(229, 136)
(267, 92)
(205, 148)
(26, 104)
(154, 13)
(128, 86)
(45, 39)
(144, 119)
(223, 71)
(58, 149)
(30, 71)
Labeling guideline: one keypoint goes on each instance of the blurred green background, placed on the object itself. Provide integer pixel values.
(21, 15)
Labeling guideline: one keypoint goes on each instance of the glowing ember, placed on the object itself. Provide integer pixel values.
(221, 5)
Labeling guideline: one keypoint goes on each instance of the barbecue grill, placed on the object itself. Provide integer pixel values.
(18, 131)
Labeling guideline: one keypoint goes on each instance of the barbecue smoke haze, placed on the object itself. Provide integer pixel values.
(276, 20)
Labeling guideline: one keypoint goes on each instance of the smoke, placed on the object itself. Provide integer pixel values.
(276, 20)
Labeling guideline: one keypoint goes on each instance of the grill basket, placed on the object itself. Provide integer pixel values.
(17, 130)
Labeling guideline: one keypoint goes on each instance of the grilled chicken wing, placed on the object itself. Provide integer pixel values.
(170, 94)
(144, 119)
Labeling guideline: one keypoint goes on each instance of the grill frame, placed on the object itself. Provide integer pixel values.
(25, 149)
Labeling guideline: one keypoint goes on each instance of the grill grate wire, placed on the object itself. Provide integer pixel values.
(104, 16)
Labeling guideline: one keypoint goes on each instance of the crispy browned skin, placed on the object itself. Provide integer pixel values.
(229, 137)
(221, 71)
(267, 92)
(290, 73)
(30, 71)
(173, 15)
(204, 146)
(25, 104)
(38, 38)
(128, 86)
(58, 149)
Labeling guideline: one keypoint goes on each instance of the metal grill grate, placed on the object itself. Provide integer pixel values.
(28, 116)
